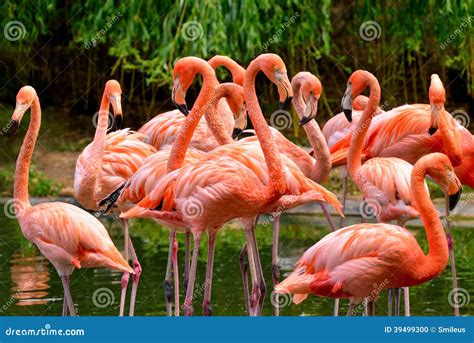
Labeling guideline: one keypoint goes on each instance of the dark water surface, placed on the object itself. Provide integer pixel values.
(29, 285)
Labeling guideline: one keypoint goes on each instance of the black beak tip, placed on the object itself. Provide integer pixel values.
(305, 120)
(183, 108)
(348, 114)
(432, 130)
(118, 122)
(236, 133)
(286, 104)
(13, 127)
(454, 198)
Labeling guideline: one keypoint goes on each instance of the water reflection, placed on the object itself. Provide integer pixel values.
(30, 277)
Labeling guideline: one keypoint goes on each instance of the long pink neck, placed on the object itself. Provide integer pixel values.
(358, 138)
(437, 257)
(86, 194)
(322, 166)
(201, 106)
(277, 184)
(20, 188)
(213, 118)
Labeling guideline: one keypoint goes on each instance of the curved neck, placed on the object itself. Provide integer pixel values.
(20, 187)
(214, 120)
(235, 69)
(87, 192)
(451, 137)
(201, 106)
(322, 165)
(277, 184)
(358, 137)
(437, 257)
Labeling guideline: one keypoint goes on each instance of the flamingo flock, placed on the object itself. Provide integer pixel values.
(187, 170)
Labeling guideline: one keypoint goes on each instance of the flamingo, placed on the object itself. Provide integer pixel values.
(106, 164)
(155, 167)
(226, 184)
(163, 129)
(359, 261)
(66, 235)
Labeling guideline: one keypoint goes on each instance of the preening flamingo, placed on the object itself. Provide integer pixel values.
(226, 184)
(361, 260)
(66, 235)
(163, 129)
(106, 164)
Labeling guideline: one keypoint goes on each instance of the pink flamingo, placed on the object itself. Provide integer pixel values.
(66, 235)
(155, 167)
(163, 129)
(226, 184)
(359, 261)
(106, 164)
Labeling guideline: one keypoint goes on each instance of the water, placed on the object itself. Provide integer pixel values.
(29, 284)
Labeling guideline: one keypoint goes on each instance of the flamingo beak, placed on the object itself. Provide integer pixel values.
(347, 103)
(178, 97)
(435, 112)
(285, 90)
(14, 123)
(311, 110)
(116, 102)
(236, 132)
(454, 198)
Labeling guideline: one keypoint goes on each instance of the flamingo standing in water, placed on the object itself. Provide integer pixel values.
(66, 235)
(227, 184)
(359, 261)
(106, 164)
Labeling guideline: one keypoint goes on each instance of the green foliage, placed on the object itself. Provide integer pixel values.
(39, 184)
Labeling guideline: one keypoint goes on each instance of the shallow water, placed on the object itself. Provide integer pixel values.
(29, 284)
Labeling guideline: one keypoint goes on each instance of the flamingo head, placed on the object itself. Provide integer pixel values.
(113, 91)
(437, 97)
(24, 100)
(357, 83)
(440, 169)
(235, 69)
(184, 73)
(310, 89)
(274, 68)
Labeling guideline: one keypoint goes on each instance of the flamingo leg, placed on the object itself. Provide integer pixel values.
(406, 299)
(275, 269)
(371, 307)
(328, 216)
(188, 302)
(344, 196)
(65, 313)
(126, 275)
(187, 258)
(253, 272)
(390, 301)
(244, 266)
(261, 288)
(452, 262)
(175, 275)
(137, 268)
(67, 294)
(396, 294)
(167, 285)
(206, 303)
(350, 311)
(336, 307)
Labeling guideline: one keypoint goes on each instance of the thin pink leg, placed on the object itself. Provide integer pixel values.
(261, 287)
(206, 303)
(452, 262)
(188, 302)
(244, 266)
(328, 216)
(167, 286)
(175, 276)
(126, 275)
(65, 313)
(187, 258)
(67, 294)
(275, 269)
(137, 268)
